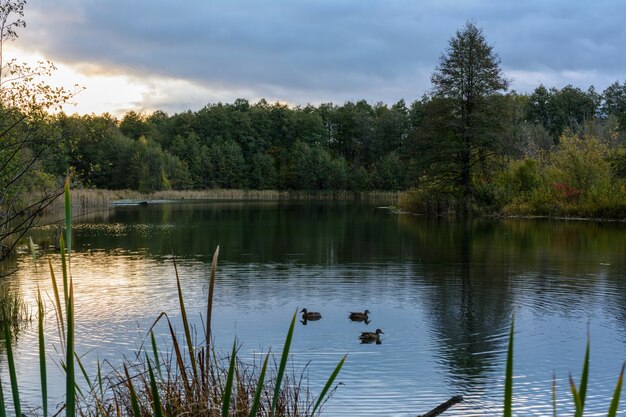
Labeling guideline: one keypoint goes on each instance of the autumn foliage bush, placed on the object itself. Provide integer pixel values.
(576, 179)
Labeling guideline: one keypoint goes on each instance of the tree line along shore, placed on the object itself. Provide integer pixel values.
(470, 146)
(557, 151)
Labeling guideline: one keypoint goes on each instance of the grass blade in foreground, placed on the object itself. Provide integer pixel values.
(68, 216)
(259, 388)
(585, 374)
(329, 383)
(64, 271)
(84, 371)
(228, 390)
(12, 372)
(179, 360)
(133, 395)
(68, 288)
(616, 394)
(158, 409)
(99, 377)
(576, 395)
(42, 354)
(283, 364)
(3, 411)
(59, 309)
(207, 334)
(155, 352)
(183, 313)
(70, 379)
(508, 380)
(553, 394)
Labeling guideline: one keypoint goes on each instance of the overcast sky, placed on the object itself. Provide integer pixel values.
(178, 55)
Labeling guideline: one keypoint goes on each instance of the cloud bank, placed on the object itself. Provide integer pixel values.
(324, 50)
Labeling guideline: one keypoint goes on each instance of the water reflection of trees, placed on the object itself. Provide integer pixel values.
(479, 269)
(309, 233)
(470, 302)
(475, 270)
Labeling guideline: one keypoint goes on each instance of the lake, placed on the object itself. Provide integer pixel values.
(444, 294)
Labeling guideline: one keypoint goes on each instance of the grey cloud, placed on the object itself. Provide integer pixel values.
(338, 49)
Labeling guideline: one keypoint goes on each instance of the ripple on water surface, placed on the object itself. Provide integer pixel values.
(445, 320)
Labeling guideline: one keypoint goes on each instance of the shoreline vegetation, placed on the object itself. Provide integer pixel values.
(412, 201)
(87, 199)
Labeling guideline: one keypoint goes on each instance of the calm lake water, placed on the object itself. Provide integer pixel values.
(443, 293)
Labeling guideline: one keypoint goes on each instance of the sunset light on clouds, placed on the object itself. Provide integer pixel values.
(145, 56)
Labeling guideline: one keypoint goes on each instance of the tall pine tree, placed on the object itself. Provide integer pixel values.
(464, 125)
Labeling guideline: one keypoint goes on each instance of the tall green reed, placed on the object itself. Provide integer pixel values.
(283, 364)
(11, 362)
(616, 393)
(3, 412)
(508, 380)
(42, 354)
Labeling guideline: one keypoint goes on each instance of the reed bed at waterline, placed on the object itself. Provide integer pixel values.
(89, 199)
(15, 311)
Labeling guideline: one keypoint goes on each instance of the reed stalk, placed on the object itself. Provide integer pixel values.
(155, 353)
(579, 393)
(259, 388)
(207, 333)
(328, 384)
(156, 398)
(42, 354)
(553, 394)
(228, 389)
(186, 327)
(11, 362)
(70, 386)
(134, 402)
(616, 394)
(68, 215)
(58, 306)
(584, 378)
(576, 395)
(70, 390)
(508, 379)
(83, 371)
(3, 411)
(283, 364)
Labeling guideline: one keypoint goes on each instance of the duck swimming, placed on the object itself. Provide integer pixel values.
(358, 316)
(369, 337)
(310, 315)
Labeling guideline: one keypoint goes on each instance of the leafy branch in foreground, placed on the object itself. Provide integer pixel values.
(26, 136)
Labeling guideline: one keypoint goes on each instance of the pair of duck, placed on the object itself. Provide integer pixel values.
(354, 316)
(366, 337)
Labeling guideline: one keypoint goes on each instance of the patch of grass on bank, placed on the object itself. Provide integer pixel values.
(96, 199)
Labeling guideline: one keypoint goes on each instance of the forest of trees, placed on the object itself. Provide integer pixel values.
(354, 146)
